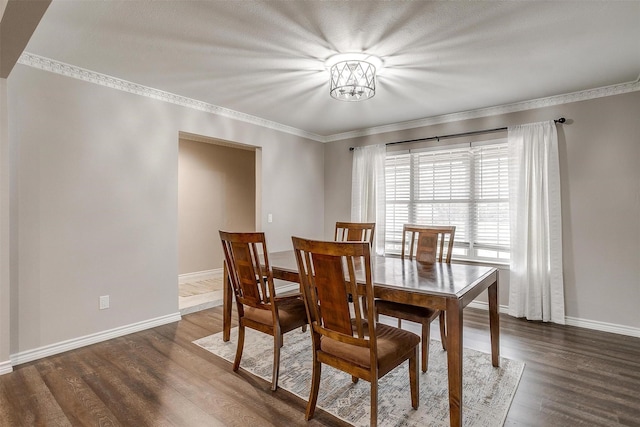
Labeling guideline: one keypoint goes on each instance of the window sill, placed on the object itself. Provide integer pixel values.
(500, 265)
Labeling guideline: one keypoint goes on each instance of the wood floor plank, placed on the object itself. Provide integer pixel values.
(115, 388)
(32, 399)
(153, 383)
(78, 401)
(9, 414)
(198, 388)
(250, 397)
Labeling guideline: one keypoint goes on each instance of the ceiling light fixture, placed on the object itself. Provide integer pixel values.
(353, 76)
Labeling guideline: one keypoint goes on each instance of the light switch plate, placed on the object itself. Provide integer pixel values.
(104, 302)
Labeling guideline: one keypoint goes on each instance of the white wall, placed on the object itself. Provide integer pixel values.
(600, 177)
(96, 202)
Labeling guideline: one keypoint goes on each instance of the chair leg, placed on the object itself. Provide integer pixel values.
(277, 343)
(426, 339)
(413, 380)
(315, 385)
(374, 402)
(443, 333)
(236, 362)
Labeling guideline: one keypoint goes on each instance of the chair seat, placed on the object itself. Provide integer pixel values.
(408, 312)
(291, 313)
(392, 343)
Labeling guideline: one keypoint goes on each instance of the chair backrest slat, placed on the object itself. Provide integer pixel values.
(427, 243)
(332, 293)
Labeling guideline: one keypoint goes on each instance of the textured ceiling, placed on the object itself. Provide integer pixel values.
(266, 58)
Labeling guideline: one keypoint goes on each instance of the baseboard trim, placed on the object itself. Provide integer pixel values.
(200, 275)
(485, 306)
(287, 287)
(53, 349)
(6, 367)
(603, 326)
(574, 321)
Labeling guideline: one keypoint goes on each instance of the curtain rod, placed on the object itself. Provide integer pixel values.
(455, 135)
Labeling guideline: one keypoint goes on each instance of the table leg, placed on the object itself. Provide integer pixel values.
(494, 323)
(454, 360)
(226, 304)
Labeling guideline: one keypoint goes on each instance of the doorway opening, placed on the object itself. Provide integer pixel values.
(218, 189)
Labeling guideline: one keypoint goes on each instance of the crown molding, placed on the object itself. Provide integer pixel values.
(72, 71)
(47, 64)
(616, 89)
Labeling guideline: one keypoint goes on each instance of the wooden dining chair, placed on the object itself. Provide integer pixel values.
(355, 231)
(257, 304)
(344, 335)
(427, 245)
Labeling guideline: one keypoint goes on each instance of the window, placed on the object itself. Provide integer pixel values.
(466, 187)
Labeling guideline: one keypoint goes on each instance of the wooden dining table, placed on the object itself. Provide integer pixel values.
(441, 286)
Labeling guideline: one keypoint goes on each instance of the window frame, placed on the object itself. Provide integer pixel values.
(471, 248)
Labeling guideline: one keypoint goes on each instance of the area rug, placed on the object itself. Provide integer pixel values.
(487, 391)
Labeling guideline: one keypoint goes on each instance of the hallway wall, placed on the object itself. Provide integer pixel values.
(216, 191)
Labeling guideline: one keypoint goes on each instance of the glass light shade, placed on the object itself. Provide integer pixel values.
(353, 80)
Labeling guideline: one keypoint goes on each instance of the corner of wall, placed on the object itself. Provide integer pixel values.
(5, 285)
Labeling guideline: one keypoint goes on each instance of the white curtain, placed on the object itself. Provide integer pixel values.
(536, 288)
(368, 189)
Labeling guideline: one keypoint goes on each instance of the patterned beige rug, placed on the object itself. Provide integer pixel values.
(487, 391)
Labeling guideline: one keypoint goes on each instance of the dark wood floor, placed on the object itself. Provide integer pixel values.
(573, 377)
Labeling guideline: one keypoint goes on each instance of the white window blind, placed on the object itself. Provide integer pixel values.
(466, 187)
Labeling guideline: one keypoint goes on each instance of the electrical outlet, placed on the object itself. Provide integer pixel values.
(104, 302)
